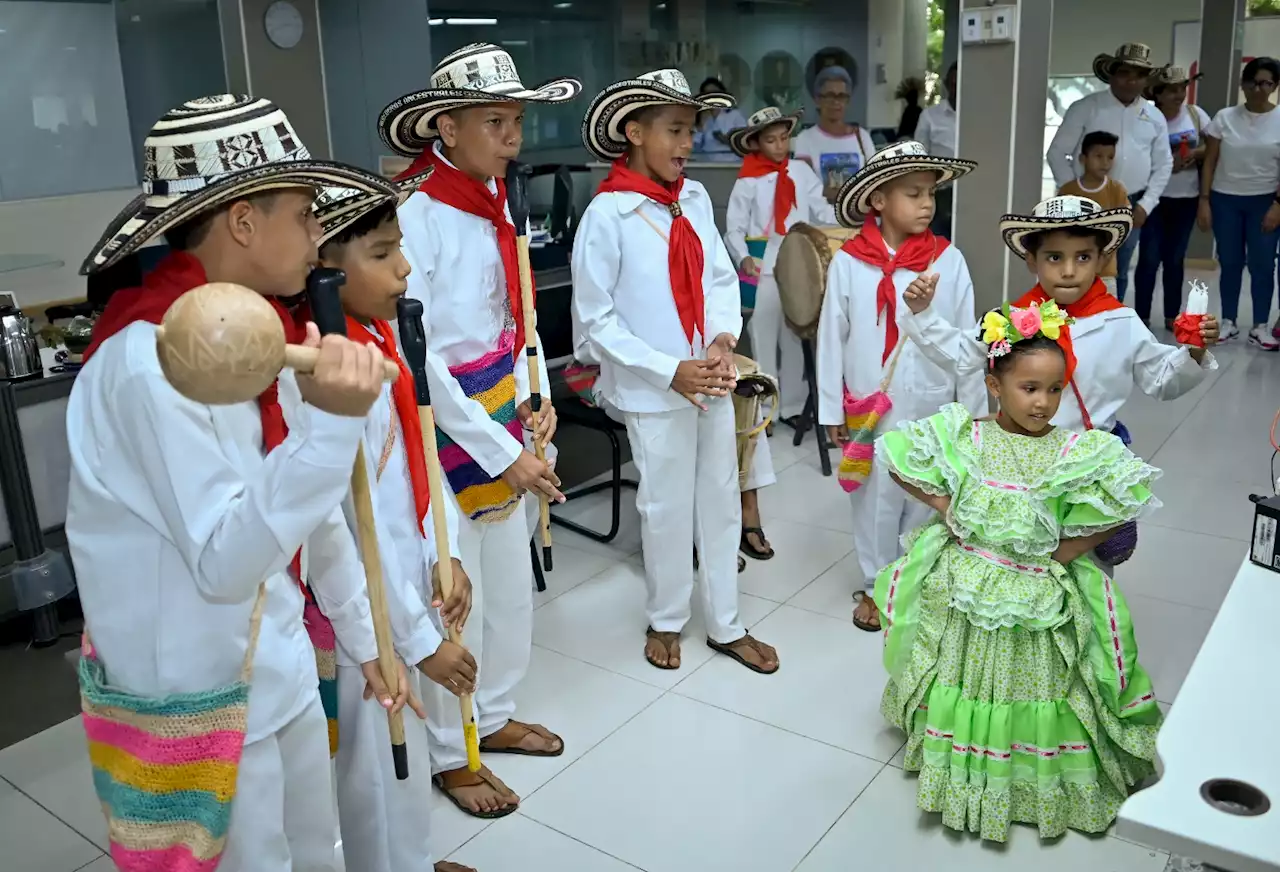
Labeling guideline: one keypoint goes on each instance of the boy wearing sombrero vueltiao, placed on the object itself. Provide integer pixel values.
(385, 822)
(177, 511)
(772, 193)
(461, 244)
(656, 298)
(859, 336)
(1109, 349)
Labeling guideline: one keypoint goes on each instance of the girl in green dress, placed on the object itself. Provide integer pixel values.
(1012, 660)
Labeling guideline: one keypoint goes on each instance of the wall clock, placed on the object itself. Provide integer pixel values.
(284, 24)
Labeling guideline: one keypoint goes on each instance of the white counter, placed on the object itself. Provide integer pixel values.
(1221, 728)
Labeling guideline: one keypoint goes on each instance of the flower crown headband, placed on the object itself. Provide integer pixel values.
(1002, 328)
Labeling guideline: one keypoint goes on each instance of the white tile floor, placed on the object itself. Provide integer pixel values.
(712, 767)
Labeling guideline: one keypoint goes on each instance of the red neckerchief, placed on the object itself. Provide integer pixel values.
(405, 398)
(916, 254)
(176, 274)
(455, 188)
(755, 165)
(1095, 301)
(684, 248)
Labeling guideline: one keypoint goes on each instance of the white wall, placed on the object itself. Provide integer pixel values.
(884, 46)
(1083, 29)
(63, 228)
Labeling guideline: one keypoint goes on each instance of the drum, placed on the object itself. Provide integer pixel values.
(753, 388)
(801, 273)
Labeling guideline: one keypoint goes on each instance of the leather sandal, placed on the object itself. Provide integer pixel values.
(734, 650)
(748, 548)
(859, 598)
(667, 641)
(491, 745)
(458, 779)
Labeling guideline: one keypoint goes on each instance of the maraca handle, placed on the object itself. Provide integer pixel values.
(300, 358)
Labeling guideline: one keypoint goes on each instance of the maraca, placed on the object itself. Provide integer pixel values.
(1186, 327)
(221, 343)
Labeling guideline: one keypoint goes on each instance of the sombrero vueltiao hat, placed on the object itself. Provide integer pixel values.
(1057, 213)
(603, 130)
(740, 138)
(472, 76)
(208, 152)
(338, 208)
(1131, 54)
(853, 202)
(1169, 74)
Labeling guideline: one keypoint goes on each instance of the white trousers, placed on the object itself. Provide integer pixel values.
(498, 634)
(776, 349)
(760, 474)
(282, 819)
(688, 496)
(386, 824)
(882, 513)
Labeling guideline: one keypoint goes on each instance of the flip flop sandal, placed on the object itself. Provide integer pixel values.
(666, 640)
(488, 747)
(446, 866)
(746, 547)
(742, 563)
(457, 779)
(733, 649)
(865, 626)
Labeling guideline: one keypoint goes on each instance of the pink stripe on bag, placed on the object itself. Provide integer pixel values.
(224, 746)
(176, 859)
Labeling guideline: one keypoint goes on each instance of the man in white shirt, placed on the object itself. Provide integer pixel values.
(938, 133)
(1143, 160)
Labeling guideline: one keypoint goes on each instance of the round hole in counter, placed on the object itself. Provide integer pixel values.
(1235, 797)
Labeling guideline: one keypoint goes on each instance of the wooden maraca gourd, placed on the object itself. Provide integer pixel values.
(222, 343)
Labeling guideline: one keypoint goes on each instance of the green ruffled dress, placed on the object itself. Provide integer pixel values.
(1015, 678)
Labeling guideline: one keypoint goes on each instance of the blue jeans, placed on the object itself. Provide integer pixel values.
(1164, 242)
(1124, 256)
(1241, 241)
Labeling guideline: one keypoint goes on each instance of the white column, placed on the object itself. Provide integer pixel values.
(915, 37)
(885, 20)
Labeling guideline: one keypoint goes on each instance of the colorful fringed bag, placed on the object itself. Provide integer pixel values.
(747, 284)
(320, 632)
(862, 415)
(165, 769)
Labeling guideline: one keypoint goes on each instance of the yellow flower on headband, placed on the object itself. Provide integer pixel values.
(994, 326)
(1052, 319)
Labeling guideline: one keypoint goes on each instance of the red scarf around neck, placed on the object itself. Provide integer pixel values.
(917, 254)
(405, 398)
(1095, 301)
(684, 248)
(449, 185)
(755, 165)
(176, 274)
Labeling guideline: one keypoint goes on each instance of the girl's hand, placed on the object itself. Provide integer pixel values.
(1204, 216)
(1271, 220)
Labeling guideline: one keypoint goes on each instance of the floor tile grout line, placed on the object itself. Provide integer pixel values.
(574, 838)
(53, 814)
(839, 817)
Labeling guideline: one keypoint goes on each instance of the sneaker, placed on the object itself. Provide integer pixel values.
(1227, 331)
(1275, 331)
(1261, 337)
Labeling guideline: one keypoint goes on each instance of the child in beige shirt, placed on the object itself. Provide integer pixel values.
(1097, 154)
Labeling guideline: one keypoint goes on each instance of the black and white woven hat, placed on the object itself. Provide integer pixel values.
(740, 138)
(853, 202)
(208, 152)
(603, 130)
(472, 76)
(1131, 54)
(1169, 74)
(338, 208)
(1057, 213)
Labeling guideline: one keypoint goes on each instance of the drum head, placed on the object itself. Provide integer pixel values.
(801, 274)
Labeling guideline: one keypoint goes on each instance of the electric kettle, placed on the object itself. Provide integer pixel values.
(19, 347)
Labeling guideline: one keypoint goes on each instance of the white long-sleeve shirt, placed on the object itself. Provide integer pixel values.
(458, 276)
(1115, 352)
(850, 344)
(623, 305)
(405, 555)
(750, 211)
(937, 129)
(175, 516)
(1143, 159)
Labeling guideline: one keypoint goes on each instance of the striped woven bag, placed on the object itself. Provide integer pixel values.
(165, 769)
(862, 416)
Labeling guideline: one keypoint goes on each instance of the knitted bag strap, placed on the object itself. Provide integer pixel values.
(255, 624)
(656, 228)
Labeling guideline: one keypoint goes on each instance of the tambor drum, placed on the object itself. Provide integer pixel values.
(801, 273)
(753, 387)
